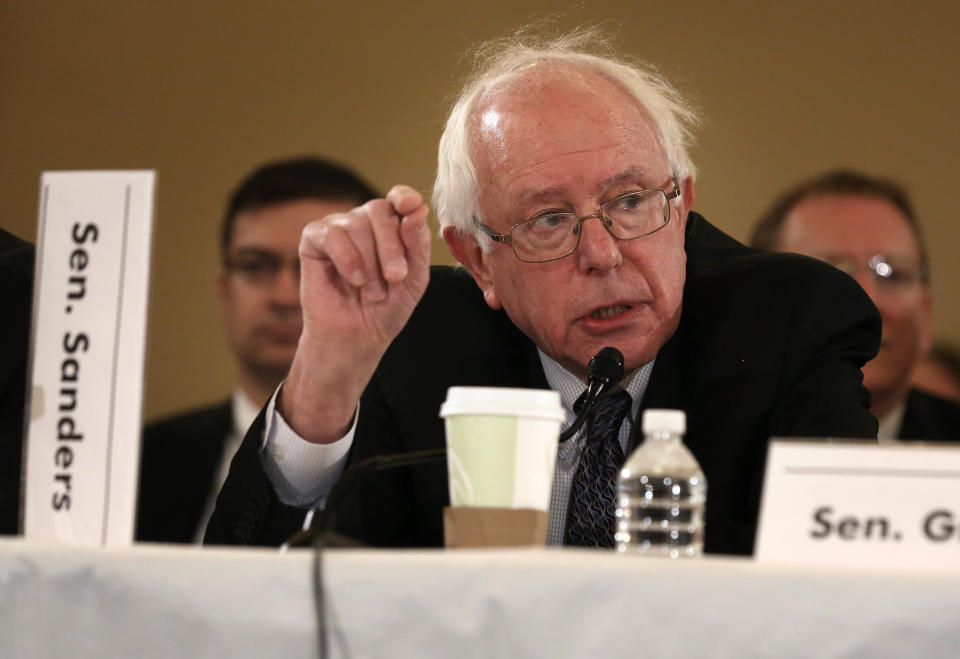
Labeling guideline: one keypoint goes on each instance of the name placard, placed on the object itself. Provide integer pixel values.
(861, 504)
(87, 355)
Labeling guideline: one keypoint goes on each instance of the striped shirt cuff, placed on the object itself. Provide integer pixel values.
(302, 473)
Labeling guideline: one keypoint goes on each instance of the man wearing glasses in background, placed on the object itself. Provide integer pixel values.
(258, 292)
(565, 189)
(866, 227)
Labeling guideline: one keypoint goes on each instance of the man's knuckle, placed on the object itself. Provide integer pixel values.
(377, 207)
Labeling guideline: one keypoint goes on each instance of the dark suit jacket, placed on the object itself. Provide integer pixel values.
(179, 459)
(768, 345)
(16, 295)
(929, 417)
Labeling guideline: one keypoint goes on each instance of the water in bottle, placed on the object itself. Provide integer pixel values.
(661, 492)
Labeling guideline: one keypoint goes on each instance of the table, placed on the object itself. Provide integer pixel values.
(157, 601)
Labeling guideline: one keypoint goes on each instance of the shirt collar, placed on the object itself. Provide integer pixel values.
(244, 412)
(889, 428)
(570, 387)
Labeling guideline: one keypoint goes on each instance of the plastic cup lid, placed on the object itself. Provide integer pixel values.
(537, 403)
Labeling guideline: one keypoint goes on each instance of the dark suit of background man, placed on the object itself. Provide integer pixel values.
(866, 227)
(259, 299)
(564, 188)
(16, 286)
(939, 372)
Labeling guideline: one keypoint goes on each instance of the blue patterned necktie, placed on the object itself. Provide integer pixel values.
(590, 515)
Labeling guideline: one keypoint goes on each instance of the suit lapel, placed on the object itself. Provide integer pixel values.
(663, 388)
(533, 368)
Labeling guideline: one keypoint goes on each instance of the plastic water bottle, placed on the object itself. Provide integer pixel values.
(661, 492)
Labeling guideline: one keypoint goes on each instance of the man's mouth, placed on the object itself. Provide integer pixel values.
(283, 333)
(603, 313)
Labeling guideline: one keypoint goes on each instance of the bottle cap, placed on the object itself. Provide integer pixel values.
(674, 421)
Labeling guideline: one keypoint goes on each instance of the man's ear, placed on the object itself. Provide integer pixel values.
(467, 251)
(925, 320)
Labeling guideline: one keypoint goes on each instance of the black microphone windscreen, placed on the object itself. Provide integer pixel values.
(606, 365)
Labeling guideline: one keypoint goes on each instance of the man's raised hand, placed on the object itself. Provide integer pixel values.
(362, 274)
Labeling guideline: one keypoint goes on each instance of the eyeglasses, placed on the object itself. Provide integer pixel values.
(260, 267)
(889, 273)
(552, 236)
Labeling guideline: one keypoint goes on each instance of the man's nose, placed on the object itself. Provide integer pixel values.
(868, 282)
(598, 249)
(285, 288)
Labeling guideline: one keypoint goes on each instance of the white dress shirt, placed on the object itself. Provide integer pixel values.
(889, 428)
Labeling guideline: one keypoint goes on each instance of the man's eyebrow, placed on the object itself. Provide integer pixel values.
(894, 255)
(634, 173)
(250, 250)
(540, 194)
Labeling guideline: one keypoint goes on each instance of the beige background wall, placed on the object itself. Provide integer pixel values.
(202, 91)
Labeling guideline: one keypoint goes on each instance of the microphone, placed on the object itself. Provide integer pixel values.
(603, 372)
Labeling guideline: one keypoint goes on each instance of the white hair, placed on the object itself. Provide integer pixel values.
(455, 191)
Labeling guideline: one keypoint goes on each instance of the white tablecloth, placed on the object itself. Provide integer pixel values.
(153, 601)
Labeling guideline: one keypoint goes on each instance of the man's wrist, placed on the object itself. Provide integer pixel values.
(302, 472)
(317, 419)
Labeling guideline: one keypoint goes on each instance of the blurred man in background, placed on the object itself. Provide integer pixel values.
(866, 227)
(258, 294)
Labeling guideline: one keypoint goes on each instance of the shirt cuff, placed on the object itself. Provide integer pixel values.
(302, 473)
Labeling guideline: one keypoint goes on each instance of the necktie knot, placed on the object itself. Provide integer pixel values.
(607, 414)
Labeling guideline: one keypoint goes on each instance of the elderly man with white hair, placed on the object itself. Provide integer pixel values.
(564, 189)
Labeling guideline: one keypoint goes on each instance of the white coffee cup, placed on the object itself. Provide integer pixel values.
(501, 446)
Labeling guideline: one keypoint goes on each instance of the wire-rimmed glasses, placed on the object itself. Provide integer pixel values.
(552, 236)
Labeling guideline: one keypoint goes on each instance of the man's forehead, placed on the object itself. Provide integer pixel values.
(849, 224)
(634, 175)
(543, 130)
(279, 225)
(537, 98)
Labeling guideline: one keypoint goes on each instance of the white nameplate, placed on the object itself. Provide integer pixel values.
(87, 354)
(861, 504)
